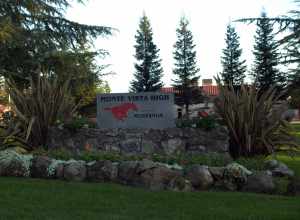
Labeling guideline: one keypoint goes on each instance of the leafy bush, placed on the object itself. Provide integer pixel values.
(206, 123)
(253, 119)
(58, 154)
(78, 122)
(253, 163)
(39, 106)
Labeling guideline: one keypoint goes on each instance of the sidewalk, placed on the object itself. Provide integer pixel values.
(295, 122)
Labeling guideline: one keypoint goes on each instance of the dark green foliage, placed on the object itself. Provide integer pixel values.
(254, 120)
(289, 25)
(233, 67)
(78, 122)
(210, 159)
(253, 163)
(266, 57)
(207, 123)
(58, 154)
(80, 68)
(186, 82)
(148, 70)
(33, 30)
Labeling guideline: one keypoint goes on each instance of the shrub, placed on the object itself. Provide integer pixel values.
(206, 123)
(61, 154)
(78, 122)
(39, 106)
(253, 163)
(253, 119)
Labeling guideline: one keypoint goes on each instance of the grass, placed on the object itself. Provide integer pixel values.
(50, 199)
(296, 132)
(294, 161)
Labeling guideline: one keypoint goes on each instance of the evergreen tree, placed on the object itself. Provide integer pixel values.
(290, 42)
(186, 82)
(233, 67)
(148, 70)
(266, 56)
(31, 31)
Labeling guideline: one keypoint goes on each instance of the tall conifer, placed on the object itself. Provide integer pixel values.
(266, 58)
(148, 70)
(233, 67)
(186, 70)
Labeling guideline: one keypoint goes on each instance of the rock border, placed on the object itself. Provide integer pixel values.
(147, 174)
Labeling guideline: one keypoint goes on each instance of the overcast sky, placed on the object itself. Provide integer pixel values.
(208, 20)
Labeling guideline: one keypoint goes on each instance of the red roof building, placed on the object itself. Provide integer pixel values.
(209, 90)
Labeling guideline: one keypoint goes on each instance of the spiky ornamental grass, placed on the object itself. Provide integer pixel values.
(39, 106)
(254, 120)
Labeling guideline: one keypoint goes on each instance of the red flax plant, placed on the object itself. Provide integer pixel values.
(39, 106)
(254, 120)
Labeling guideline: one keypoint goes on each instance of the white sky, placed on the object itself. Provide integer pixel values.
(208, 20)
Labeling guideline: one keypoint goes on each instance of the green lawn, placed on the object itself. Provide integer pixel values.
(49, 199)
(293, 162)
(296, 130)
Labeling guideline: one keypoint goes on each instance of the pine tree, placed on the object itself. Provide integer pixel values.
(31, 31)
(265, 72)
(233, 67)
(148, 70)
(186, 82)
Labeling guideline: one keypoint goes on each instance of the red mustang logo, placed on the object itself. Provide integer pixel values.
(120, 112)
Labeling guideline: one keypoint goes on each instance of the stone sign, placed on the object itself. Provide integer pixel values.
(136, 110)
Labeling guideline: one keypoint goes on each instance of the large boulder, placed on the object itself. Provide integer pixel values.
(14, 164)
(102, 171)
(40, 167)
(199, 176)
(217, 173)
(127, 172)
(158, 178)
(279, 169)
(180, 184)
(59, 171)
(144, 165)
(235, 176)
(74, 170)
(260, 182)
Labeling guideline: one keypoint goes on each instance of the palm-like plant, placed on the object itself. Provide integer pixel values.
(39, 106)
(254, 119)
